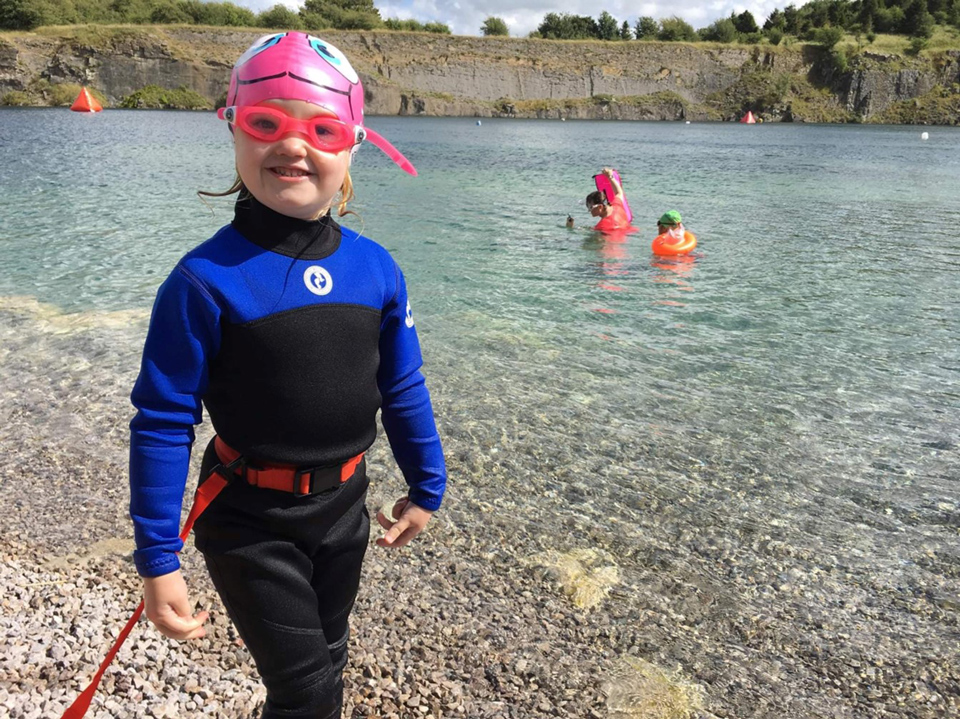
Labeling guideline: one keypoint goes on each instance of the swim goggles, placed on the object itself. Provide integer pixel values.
(269, 124)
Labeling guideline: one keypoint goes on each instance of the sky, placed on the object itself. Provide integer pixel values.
(464, 17)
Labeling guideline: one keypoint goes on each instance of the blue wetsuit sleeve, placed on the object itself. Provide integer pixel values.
(183, 336)
(406, 412)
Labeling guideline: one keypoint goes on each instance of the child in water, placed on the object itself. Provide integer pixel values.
(670, 222)
(612, 213)
(292, 331)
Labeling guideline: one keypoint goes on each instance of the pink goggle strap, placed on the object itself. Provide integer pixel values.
(390, 151)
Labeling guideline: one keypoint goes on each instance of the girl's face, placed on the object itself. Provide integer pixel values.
(289, 175)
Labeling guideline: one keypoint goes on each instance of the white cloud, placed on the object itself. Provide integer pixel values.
(523, 16)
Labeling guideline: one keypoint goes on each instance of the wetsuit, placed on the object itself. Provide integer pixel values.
(292, 334)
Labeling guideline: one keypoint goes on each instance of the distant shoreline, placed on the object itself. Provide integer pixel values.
(187, 67)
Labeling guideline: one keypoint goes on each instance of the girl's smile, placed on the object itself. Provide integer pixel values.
(292, 174)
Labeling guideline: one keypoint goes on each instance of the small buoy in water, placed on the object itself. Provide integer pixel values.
(563, 119)
(478, 123)
(924, 135)
(86, 102)
(688, 122)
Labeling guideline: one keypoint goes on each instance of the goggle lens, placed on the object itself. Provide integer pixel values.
(269, 124)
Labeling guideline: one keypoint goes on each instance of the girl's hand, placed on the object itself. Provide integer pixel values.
(607, 171)
(167, 605)
(412, 520)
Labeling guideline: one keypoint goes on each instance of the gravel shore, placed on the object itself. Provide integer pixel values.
(507, 606)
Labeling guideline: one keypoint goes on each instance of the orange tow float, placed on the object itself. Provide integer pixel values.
(674, 242)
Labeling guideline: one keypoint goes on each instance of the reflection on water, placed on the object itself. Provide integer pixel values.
(614, 264)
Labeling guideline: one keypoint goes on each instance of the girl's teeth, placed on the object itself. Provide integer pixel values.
(289, 173)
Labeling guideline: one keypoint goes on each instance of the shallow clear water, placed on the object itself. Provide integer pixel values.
(793, 382)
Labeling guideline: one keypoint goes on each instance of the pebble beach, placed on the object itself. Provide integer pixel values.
(483, 616)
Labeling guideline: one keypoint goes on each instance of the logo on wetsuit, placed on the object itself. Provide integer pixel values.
(318, 280)
(409, 319)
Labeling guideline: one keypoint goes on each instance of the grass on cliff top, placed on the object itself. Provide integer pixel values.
(95, 35)
(944, 38)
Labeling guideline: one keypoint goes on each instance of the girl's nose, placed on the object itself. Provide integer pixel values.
(293, 144)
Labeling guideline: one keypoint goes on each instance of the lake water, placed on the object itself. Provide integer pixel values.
(774, 418)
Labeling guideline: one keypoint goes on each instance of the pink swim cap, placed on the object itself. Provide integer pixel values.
(297, 66)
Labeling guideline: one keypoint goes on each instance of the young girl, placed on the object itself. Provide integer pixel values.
(293, 331)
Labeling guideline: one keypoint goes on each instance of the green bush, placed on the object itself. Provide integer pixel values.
(342, 14)
(722, 30)
(158, 98)
(888, 19)
(676, 29)
(20, 15)
(494, 26)
(220, 14)
(393, 23)
(744, 22)
(566, 26)
(62, 95)
(828, 36)
(778, 90)
(774, 35)
(16, 98)
(647, 28)
(314, 22)
(280, 17)
(917, 45)
(169, 15)
(839, 60)
(356, 20)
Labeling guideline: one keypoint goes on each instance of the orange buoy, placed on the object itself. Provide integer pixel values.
(86, 102)
(669, 244)
(748, 119)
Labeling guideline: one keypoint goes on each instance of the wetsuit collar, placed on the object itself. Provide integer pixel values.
(302, 239)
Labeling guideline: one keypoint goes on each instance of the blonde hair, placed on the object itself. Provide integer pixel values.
(346, 194)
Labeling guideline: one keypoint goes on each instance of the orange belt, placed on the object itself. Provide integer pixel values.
(284, 477)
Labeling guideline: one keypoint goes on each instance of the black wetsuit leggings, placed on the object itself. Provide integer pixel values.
(287, 570)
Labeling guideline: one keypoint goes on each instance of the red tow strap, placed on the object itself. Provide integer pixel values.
(206, 493)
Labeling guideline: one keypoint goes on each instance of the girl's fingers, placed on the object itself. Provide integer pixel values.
(383, 521)
(179, 627)
(395, 531)
(407, 522)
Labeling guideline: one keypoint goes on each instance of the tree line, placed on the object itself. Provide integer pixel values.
(818, 20)
(314, 15)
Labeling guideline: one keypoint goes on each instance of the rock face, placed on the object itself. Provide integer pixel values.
(878, 81)
(425, 74)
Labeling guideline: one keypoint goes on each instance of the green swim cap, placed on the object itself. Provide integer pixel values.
(670, 218)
